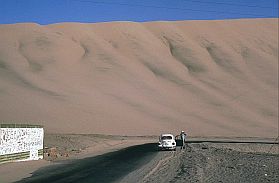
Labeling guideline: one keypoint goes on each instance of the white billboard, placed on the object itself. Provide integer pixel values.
(20, 144)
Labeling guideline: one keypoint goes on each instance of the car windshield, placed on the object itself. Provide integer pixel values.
(166, 137)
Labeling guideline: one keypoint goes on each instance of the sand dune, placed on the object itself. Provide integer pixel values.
(213, 78)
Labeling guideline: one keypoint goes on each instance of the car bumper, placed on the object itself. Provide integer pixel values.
(166, 146)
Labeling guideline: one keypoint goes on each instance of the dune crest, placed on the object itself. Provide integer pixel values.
(210, 78)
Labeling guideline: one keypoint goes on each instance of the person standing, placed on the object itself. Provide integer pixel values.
(183, 138)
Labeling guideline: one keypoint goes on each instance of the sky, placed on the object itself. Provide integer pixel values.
(88, 11)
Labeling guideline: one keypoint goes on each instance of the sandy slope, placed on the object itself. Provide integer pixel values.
(207, 77)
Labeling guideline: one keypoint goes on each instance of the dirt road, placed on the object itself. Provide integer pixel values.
(103, 168)
(199, 162)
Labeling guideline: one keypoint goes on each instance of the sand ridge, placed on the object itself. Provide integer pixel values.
(211, 78)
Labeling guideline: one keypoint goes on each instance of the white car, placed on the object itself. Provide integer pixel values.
(167, 142)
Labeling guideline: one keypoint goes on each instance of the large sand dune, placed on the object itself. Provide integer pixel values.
(213, 78)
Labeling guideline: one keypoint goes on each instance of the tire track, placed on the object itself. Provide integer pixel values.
(159, 165)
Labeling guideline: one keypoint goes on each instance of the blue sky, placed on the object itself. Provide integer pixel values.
(54, 11)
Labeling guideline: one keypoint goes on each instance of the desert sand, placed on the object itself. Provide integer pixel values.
(210, 78)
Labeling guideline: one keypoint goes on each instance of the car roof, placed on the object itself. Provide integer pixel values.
(166, 134)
